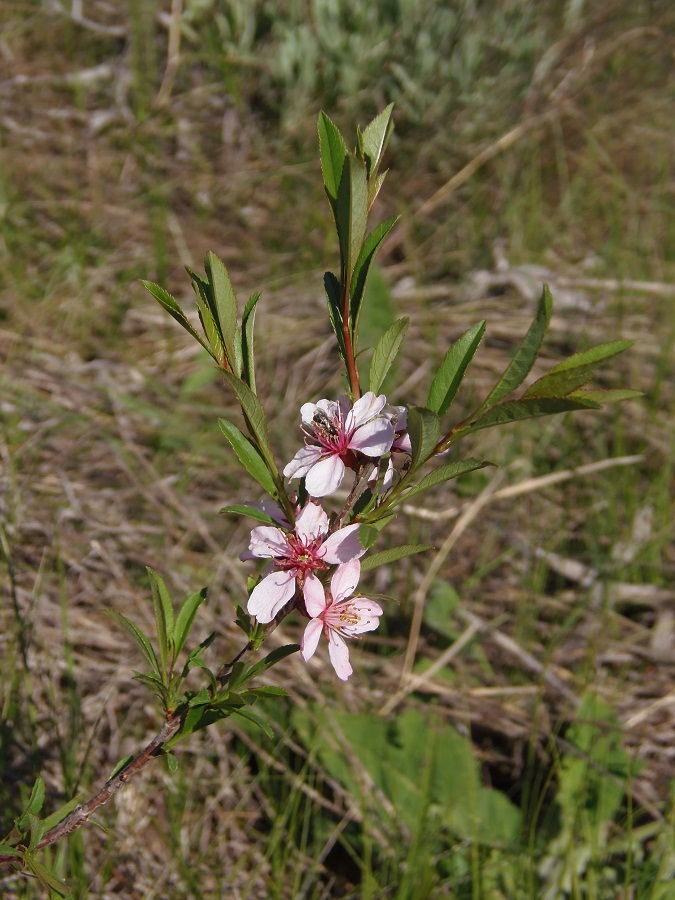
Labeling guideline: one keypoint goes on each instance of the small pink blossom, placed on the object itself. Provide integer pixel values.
(401, 448)
(334, 434)
(296, 555)
(337, 616)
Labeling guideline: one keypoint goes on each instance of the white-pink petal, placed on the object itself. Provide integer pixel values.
(367, 407)
(374, 438)
(302, 462)
(266, 540)
(339, 655)
(367, 613)
(343, 545)
(310, 639)
(271, 595)
(311, 523)
(344, 580)
(315, 596)
(325, 476)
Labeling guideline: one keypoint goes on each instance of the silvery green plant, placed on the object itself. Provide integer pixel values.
(316, 549)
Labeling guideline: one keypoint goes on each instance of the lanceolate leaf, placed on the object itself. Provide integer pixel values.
(333, 152)
(47, 879)
(385, 353)
(270, 660)
(447, 380)
(366, 256)
(247, 323)
(225, 310)
(161, 603)
(211, 330)
(172, 307)
(240, 509)
(374, 139)
(424, 429)
(612, 395)
(332, 286)
(185, 618)
(446, 473)
(516, 410)
(59, 814)
(389, 556)
(252, 717)
(575, 371)
(249, 456)
(351, 212)
(37, 797)
(255, 418)
(525, 355)
(141, 640)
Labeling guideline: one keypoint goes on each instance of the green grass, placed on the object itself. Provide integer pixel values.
(110, 457)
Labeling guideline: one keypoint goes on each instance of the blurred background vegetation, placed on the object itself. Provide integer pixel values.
(509, 733)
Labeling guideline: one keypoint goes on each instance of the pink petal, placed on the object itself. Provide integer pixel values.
(266, 540)
(325, 476)
(374, 438)
(368, 612)
(310, 639)
(311, 523)
(302, 462)
(271, 595)
(339, 655)
(343, 545)
(366, 408)
(315, 596)
(344, 581)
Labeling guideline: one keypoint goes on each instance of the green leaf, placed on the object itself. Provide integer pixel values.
(575, 371)
(516, 410)
(52, 820)
(276, 656)
(37, 797)
(48, 880)
(8, 850)
(37, 829)
(385, 353)
(248, 456)
(155, 683)
(333, 153)
(225, 310)
(240, 509)
(171, 762)
(447, 380)
(351, 213)
(185, 618)
(172, 307)
(247, 323)
(445, 473)
(611, 395)
(211, 330)
(424, 428)
(161, 603)
(332, 287)
(374, 139)
(252, 717)
(141, 640)
(122, 764)
(525, 355)
(368, 534)
(255, 419)
(362, 267)
(389, 556)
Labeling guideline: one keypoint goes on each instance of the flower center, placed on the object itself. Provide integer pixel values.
(305, 557)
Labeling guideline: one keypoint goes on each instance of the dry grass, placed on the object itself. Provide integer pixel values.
(110, 459)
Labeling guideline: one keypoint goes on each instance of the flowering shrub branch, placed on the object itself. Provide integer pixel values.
(315, 556)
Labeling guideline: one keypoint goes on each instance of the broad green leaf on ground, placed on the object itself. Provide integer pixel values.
(525, 355)
(161, 603)
(255, 419)
(249, 456)
(388, 556)
(171, 306)
(445, 473)
(351, 212)
(575, 371)
(333, 153)
(140, 639)
(516, 410)
(247, 323)
(225, 310)
(449, 376)
(424, 428)
(362, 267)
(385, 353)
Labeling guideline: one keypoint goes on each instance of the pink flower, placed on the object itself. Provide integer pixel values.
(338, 433)
(337, 616)
(296, 556)
(401, 448)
